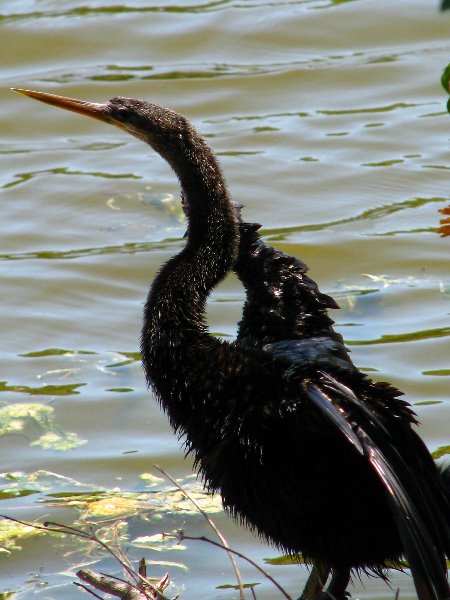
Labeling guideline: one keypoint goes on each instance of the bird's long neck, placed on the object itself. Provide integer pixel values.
(175, 309)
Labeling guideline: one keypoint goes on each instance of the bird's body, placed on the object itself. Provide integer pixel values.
(286, 314)
(303, 447)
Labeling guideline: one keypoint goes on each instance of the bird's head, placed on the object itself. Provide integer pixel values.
(163, 129)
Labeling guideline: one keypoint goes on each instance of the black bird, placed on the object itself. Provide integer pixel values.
(304, 448)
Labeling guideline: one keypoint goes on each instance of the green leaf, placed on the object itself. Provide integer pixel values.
(440, 452)
(54, 352)
(438, 372)
(44, 390)
(427, 402)
(286, 559)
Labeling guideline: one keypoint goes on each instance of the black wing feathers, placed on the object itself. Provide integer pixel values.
(420, 511)
(288, 316)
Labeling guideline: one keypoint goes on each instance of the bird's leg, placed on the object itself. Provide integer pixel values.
(336, 590)
(316, 581)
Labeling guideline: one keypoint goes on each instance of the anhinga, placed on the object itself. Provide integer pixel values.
(303, 447)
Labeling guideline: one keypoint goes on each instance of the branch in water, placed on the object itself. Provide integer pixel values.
(123, 589)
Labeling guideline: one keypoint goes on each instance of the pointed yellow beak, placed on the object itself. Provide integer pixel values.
(89, 109)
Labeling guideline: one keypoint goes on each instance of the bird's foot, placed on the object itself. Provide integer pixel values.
(316, 581)
(336, 590)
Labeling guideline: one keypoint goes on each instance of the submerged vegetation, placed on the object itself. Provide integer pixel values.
(103, 529)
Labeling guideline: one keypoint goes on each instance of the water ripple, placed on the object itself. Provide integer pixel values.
(411, 336)
(127, 248)
(119, 9)
(27, 176)
(371, 214)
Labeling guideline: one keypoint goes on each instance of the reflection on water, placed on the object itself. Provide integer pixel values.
(330, 124)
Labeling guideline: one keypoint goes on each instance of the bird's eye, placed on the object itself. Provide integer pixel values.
(122, 111)
(119, 108)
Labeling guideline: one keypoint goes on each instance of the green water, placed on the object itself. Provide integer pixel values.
(330, 124)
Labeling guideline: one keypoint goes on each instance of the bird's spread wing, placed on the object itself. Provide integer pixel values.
(420, 516)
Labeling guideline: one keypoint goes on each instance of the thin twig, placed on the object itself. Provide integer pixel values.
(213, 526)
(249, 560)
